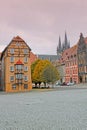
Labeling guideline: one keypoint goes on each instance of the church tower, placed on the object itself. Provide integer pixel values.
(66, 43)
(62, 46)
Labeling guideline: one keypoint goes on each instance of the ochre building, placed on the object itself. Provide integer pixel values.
(16, 67)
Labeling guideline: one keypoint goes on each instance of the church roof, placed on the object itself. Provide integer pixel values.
(48, 57)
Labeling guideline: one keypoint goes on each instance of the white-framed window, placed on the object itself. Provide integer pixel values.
(11, 68)
(11, 78)
(25, 78)
(19, 76)
(12, 51)
(25, 51)
(12, 59)
(25, 68)
(13, 86)
(19, 67)
(25, 59)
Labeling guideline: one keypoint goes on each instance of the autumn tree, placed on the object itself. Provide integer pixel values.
(43, 71)
(34, 65)
(37, 70)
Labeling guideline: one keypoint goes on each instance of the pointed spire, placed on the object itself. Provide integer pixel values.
(66, 42)
(81, 40)
(59, 43)
(69, 44)
(59, 46)
(65, 38)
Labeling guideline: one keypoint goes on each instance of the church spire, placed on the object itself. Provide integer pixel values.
(59, 46)
(59, 43)
(66, 43)
(81, 40)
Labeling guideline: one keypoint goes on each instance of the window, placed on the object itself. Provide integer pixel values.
(19, 67)
(11, 68)
(25, 86)
(12, 59)
(25, 78)
(19, 76)
(25, 59)
(25, 68)
(25, 51)
(12, 51)
(18, 44)
(13, 86)
(11, 78)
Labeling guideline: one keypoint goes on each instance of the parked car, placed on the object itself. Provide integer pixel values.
(63, 84)
(70, 83)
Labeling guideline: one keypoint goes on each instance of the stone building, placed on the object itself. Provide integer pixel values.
(82, 59)
(15, 66)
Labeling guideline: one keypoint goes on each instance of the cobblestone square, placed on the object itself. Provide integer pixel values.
(63, 109)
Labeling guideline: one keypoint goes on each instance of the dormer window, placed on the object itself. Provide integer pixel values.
(12, 51)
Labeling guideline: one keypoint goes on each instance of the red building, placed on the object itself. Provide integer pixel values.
(71, 65)
(33, 57)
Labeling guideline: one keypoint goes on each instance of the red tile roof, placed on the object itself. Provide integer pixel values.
(19, 62)
(18, 39)
(68, 53)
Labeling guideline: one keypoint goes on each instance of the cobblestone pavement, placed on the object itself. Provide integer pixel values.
(45, 109)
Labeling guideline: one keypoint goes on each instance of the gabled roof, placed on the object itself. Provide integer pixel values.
(68, 53)
(17, 39)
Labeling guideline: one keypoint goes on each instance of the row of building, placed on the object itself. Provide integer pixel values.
(72, 64)
(16, 60)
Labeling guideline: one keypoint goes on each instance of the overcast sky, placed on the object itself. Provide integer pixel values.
(41, 22)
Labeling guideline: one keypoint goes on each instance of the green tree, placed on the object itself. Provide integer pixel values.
(50, 74)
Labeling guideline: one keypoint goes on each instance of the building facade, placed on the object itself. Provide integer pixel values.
(15, 66)
(71, 65)
(33, 57)
(82, 59)
(68, 65)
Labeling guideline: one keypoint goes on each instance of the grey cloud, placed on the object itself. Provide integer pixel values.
(42, 21)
